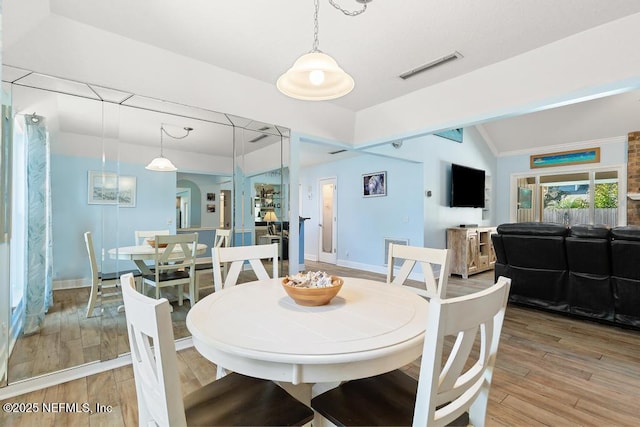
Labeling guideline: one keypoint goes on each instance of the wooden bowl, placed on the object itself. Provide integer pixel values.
(152, 243)
(312, 297)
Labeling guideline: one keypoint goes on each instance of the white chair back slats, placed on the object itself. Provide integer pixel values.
(427, 258)
(236, 257)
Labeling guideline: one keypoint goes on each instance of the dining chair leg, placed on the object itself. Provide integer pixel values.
(92, 300)
(193, 291)
(221, 372)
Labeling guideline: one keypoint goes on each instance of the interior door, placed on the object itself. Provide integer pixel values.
(328, 221)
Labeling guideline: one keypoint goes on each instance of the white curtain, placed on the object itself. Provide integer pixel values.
(38, 292)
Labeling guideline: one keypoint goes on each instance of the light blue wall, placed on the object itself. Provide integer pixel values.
(611, 153)
(72, 215)
(363, 223)
(438, 154)
(419, 165)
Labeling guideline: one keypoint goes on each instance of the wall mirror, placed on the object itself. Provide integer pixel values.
(78, 165)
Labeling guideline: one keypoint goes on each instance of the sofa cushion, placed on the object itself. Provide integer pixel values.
(533, 229)
(591, 231)
(529, 251)
(624, 259)
(588, 255)
(628, 232)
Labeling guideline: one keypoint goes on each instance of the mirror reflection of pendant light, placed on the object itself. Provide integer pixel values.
(162, 164)
(316, 76)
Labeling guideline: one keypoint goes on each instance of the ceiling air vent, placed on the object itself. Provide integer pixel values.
(258, 138)
(447, 58)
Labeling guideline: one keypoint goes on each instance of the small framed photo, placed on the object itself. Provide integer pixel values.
(211, 208)
(106, 188)
(211, 196)
(374, 184)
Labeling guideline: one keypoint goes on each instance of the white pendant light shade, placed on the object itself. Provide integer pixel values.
(315, 76)
(161, 164)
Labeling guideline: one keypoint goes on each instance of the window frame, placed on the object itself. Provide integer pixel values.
(621, 170)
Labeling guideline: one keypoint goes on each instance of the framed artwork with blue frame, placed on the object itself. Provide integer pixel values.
(565, 158)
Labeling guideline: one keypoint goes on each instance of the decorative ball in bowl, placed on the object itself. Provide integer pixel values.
(152, 243)
(312, 289)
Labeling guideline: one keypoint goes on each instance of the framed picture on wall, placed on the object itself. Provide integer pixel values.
(374, 184)
(106, 188)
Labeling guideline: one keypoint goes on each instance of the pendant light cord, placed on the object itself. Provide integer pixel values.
(188, 129)
(316, 42)
(347, 12)
(163, 130)
(316, 4)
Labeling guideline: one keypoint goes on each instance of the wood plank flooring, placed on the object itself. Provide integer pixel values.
(551, 370)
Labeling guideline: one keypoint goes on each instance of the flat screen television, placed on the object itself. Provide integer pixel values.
(467, 187)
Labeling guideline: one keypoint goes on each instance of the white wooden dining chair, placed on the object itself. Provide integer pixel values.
(237, 257)
(233, 400)
(221, 239)
(427, 258)
(447, 391)
(174, 265)
(141, 236)
(101, 281)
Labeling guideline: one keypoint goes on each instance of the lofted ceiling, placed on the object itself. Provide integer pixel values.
(261, 39)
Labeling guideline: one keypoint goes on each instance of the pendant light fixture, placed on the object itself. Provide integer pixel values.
(316, 76)
(162, 164)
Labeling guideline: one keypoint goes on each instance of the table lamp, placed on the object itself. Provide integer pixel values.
(270, 217)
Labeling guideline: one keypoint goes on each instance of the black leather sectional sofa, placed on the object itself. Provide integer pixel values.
(588, 271)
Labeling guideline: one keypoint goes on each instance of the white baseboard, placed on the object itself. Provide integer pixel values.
(311, 257)
(84, 282)
(361, 266)
(381, 269)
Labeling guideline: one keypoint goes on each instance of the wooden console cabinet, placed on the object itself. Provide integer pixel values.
(471, 250)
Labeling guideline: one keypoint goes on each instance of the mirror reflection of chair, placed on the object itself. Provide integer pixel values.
(99, 280)
(174, 265)
(236, 256)
(205, 265)
(233, 400)
(142, 236)
(427, 258)
(445, 392)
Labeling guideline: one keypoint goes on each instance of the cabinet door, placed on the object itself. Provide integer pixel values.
(472, 251)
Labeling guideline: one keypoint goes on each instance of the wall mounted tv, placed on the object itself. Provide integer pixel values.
(467, 187)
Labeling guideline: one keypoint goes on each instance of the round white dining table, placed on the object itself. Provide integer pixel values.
(140, 254)
(256, 329)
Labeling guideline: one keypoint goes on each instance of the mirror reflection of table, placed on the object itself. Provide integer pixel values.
(140, 254)
(368, 328)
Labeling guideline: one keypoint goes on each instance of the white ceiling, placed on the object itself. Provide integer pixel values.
(261, 39)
